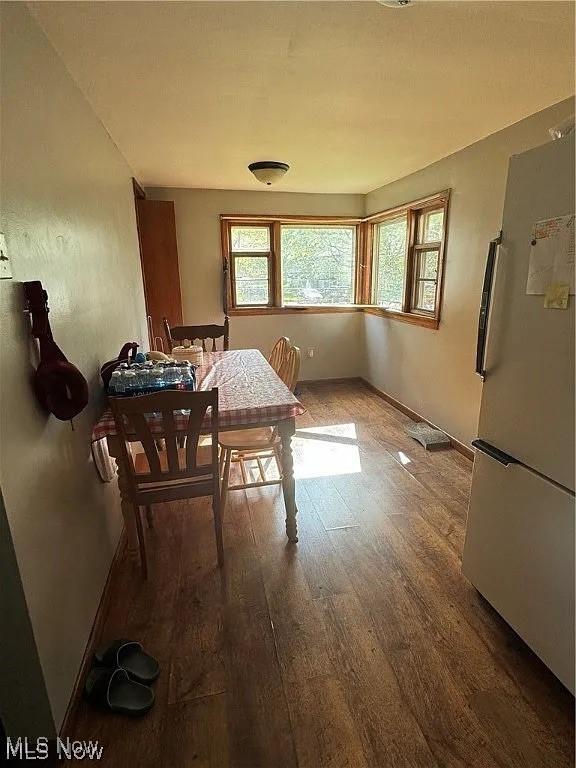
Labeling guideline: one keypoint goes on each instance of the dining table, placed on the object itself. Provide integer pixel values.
(250, 394)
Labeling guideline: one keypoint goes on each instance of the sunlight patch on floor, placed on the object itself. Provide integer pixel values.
(332, 430)
(326, 451)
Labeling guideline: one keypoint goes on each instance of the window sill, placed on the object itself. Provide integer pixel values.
(424, 321)
(308, 310)
(405, 317)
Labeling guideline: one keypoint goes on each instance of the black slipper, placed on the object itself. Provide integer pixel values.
(112, 689)
(128, 655)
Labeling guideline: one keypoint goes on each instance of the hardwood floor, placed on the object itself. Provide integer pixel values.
(362, 646)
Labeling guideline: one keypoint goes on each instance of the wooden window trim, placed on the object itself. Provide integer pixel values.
(364, 262)
(414, 318)
(241, 218)
(275, 305)
(263, 255)
(313, 309)
(413, 211)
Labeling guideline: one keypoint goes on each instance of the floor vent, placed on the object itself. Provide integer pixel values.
(427, 435)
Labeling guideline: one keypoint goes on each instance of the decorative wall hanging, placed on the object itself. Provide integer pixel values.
(59, 386)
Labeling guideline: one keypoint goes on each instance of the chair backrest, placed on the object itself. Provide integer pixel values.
(178, 333)
(279, 352)
(290, 368)
(151, 418)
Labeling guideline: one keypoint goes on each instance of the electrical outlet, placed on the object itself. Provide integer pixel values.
(310, 351)
(5, 266)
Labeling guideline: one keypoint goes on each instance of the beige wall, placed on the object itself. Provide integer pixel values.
(337, 338)
(432, 372)
(68, 216)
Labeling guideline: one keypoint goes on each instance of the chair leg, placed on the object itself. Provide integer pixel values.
(216, 509)
(225, 479)
(221, 458)
(261, 468)
(243, 468)
(149, 517)
(141, 542)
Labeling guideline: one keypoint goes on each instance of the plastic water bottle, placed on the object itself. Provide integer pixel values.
(116, 386)
(129, 382)
(187, 380)
(168, 374)
(157, 378)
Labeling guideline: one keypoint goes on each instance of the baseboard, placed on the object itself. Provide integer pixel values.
(93, 640)
(342, 380)
(465, 450)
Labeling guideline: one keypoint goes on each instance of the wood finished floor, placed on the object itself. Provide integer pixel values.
(363, 646)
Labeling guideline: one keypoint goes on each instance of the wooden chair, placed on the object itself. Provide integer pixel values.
(177, 333)
(279, 352)
(256, 444)
(158, 476)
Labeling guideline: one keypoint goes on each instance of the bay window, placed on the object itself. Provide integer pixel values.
(389, 263)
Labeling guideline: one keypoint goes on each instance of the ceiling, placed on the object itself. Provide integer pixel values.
(351, 94)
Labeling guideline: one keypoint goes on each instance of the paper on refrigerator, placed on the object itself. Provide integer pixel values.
(551, 255)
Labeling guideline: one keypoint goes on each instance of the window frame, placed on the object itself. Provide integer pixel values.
(414, 211)
(275, 305)
(268, 255)
(372, 269)
(321, 225)
(364, 267)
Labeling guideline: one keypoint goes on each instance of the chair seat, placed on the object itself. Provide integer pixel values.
(249, 439)
(204, 457)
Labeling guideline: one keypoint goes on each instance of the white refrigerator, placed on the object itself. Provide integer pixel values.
(519, 549)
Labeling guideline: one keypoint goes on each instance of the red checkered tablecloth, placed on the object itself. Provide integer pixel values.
(249, 393)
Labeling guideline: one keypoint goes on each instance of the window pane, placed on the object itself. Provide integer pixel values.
(251, 273)
(431, 226)
(426, 295)
(318, 264)
(248, 239)
(428, 264)
(390, 262)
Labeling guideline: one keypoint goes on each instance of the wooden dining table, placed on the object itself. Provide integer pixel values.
(250, 394)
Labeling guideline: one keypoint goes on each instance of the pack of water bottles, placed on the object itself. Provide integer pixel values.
(145, 378)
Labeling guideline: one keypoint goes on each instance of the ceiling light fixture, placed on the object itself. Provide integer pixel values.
(395, 3)
(268, 171)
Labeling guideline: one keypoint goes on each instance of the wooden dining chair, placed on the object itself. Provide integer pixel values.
(256, 444)
(170, 474)
(279, 352)
(177, 333)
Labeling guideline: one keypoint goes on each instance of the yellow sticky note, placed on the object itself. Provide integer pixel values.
(556, 296)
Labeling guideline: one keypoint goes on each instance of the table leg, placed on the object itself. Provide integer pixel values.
(286, 429)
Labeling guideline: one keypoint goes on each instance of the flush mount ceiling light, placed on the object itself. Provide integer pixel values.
(395, 3)
(268, 171)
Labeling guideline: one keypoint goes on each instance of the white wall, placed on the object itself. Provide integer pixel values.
(337, 338)
(430, 371)
(68, 215)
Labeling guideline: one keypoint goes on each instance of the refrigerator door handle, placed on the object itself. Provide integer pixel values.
(485, 306)
(494, 453)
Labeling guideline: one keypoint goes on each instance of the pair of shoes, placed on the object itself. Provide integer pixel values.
(120, 678)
